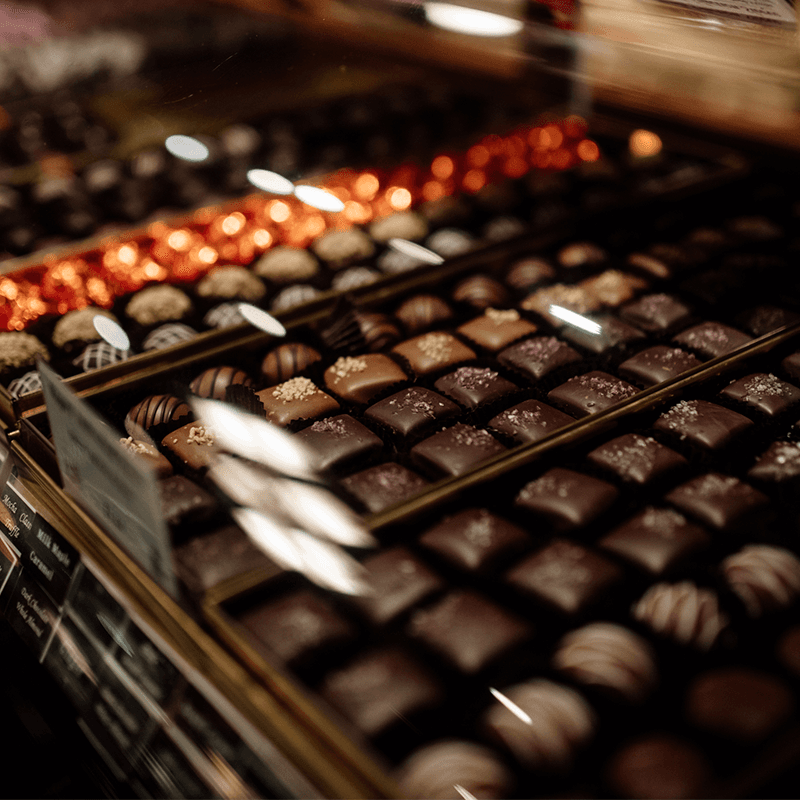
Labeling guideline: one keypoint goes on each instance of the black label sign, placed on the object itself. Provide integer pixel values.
(50, 558)
(16, 516)
(32, 613)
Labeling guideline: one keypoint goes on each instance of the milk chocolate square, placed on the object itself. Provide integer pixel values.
(297, 398)
(433, 351)
(360, 378)
(496, 329)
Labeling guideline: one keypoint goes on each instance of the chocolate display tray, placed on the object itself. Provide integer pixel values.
(720, 167)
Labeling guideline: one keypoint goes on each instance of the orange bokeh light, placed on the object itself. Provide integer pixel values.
(398, 198)
(442, 167)
(366, 186)
(127, 254)
(474, 180)
(478, 156)
(433, 190)
(207, 255)
(357, 212)
(587, 150)
(644, 144)
(262, 238)
(153, 271)
(179, 240)
(515, 167)
(233, 223)
(561, 159)
(279, 211)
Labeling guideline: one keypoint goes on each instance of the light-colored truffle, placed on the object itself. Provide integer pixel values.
(18, 349)
(400, 225)
(78, 326)
(765, 578)
(340, 248)
(158, 304)
(285, 264)
(231, 282)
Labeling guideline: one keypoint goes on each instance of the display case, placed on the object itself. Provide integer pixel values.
(523, 300)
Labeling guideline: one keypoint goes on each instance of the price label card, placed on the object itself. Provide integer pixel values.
(766, 12)
(101, 476)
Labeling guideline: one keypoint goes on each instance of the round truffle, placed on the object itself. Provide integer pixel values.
(225, 315)
(656, 767)
(354, 277)
(293, 296)
(608, 656)
(232, 282)
(542, 723)
(400, 225)
(683, 612)
(439, 770)
(214, 382)
(78, 326)
(739, 703)
(529, 272)
(26, 384)
(285, 264)
(168, 335)
(765, 578)
(481, 291)
(420, 312)
(98, 355)
(158, 304)
(341, 248)
(154, 410)
(287, 361)
(18, 349)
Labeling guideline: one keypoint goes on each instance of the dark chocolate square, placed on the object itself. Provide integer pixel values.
(432, 352)
(455, 450)
(657, 364)
(539, 356)
(358, 379)
(468, 630)
(380, 689)
(656, 539)
(472, 387)
(606, 334)
(412, 412)
(779, 464)
(474, 539)
(656, 313)
(496, 329)
(765, 319)
(791, 365)
(379, 487)
(399, 581)
(296, 625)
(763, 391)
(565, 575)
(712, 339)
(591, 393)
(529, 421)
(183, 501)
(703, 423)
(337, 441)
(636, 459)
(568, 499)
(716, 499)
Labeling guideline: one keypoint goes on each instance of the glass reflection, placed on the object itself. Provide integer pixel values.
(575, 320)
(318, 198)
(261, 320)
(471, 20)
(270, 181)
(511, 706)
(111, 332)
(414, 250)
(187, 148)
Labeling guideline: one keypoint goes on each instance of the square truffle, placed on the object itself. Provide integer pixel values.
(297, 398)
(380, 689)
(591, 393)
(566, 498)
(379, 487)
(529, 421)
(712, 339)
(432, 352)
(207, 560)
(412, 411)
(467, 630)
(702, 423)
(613, 287)
(576, 299)
(656, 539)
(399, 581)
(718, 500)
(636, 459)
(296, 626)
(605, 334)
(455, 450)
(779, 464)
(538, 357)
(656, 313)
(791, 365)
(358, 379)
(193, 444)
(496, 329)
(339, 441)
(472, 387)
(183, 501)
(657, 364)
(565, 575)
(764, 392)
(474, 539)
